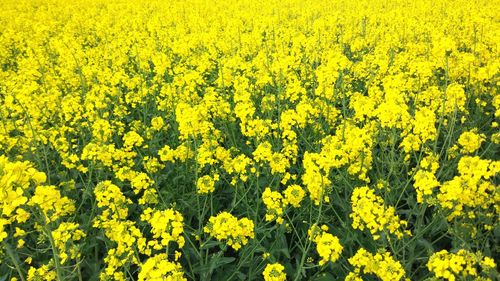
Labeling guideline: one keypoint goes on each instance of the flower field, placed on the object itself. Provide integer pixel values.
(249, 140)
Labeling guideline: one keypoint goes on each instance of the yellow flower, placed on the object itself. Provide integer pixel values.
(382, 265)
(488, 263)
(470, 141)
(425, 180)
(274, 272)
(132, 139)
(451, 266)
(225, 227)
(274, 205)
(166, 226)
(327, 245)
(369, 211)
(20, 243)
(109, 195)
(266, 255)
(64, 237)
(471, 189)
(294, 195)
(277, 161)
(159, 268)
(49, 200)
(206, 183)
(157, 123)
(45, 272)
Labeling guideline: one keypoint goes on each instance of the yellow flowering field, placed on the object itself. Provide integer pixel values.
(249, 140)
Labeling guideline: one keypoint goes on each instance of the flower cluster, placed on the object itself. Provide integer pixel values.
(425, 179)
(470, 141)
(124, 233)
(274, 205)
(64, 237)
(369, 211)
(159, 268)
(471, 189)
(382, 265)
(206, 183)
(453, 266)
(293, 195)
(274, 272)
(166, 226)
(226, 227)
(186, 140)
(276, 202)
(327, 245)
(15, 180)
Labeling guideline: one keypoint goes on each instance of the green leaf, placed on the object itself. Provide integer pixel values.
(210, 244)
(220, 261)
(324, 277)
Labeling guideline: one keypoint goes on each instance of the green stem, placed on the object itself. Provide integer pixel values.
(79, 269)
(14, 260)
(308, 245)
(57, 262)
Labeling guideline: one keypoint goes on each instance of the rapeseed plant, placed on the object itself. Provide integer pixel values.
(249, 140)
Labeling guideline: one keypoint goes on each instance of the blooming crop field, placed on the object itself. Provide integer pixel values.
(249, 140)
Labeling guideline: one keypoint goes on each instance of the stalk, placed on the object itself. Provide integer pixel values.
(14, 260)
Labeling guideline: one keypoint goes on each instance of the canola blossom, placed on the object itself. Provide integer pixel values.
(249, 140)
